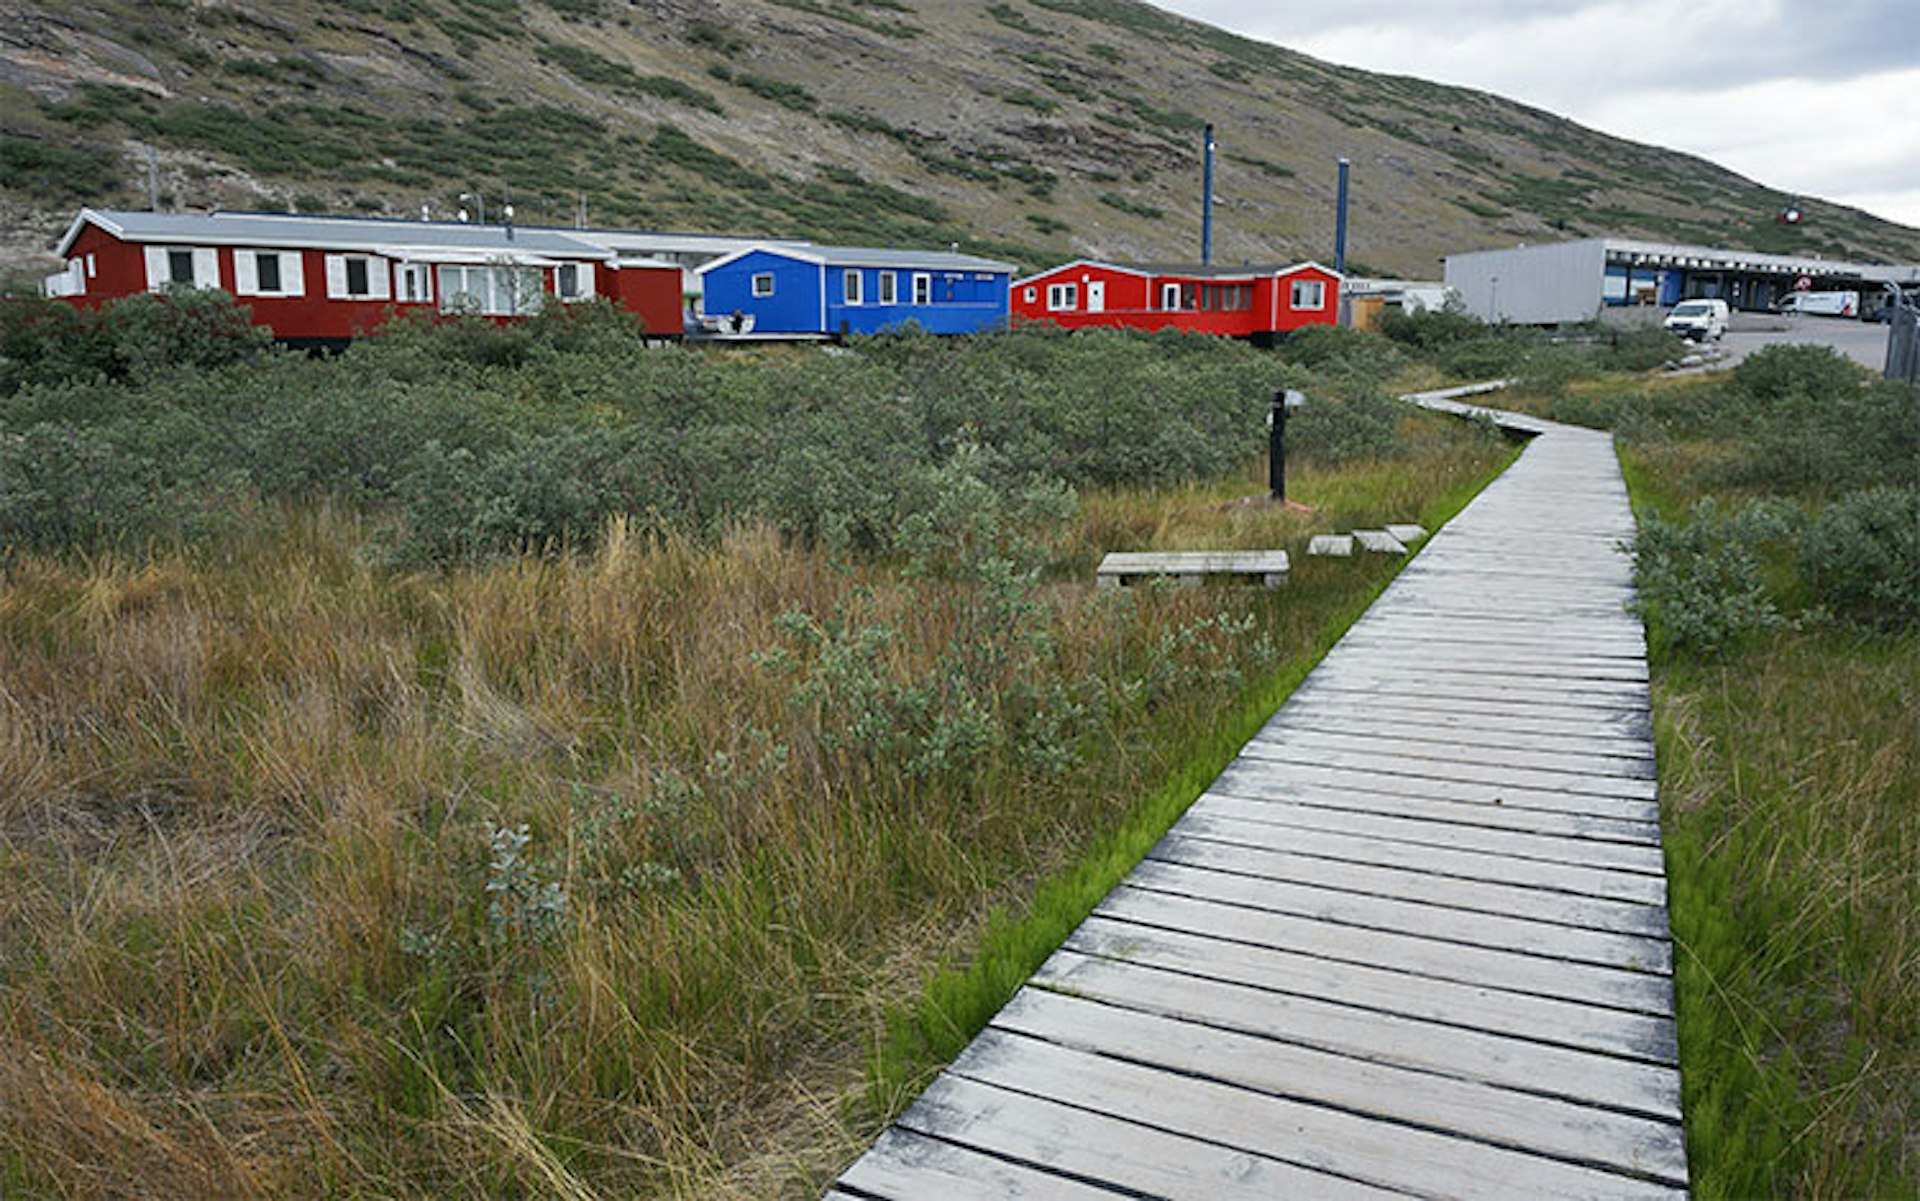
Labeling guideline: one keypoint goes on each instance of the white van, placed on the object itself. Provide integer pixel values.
(1698, 320)
(1824, 304)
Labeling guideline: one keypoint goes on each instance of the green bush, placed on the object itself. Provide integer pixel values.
(1861, 555)
(1701, 581)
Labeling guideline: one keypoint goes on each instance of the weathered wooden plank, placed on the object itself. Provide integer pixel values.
(1501, 1116)
(1441, 687)
(1250, 783)
(1489, 776)
(1353, 673)
(1119, 1154)
(1527, 885)
(908, 1166)
(1512, 971)
(1423, 829)
(1382, 989)
(1466, 792)
(1580, 1077)
(1626, 721)
(1300, 733)
(1425, 1162)
(1318, 899)
(1459, 726)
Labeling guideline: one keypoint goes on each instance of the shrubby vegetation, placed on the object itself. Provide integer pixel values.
(1778, 564)
(479, 440)
(1466, 348)
(739, 690)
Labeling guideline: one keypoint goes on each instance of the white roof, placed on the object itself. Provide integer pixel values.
(1719, 258)
(439, 241)
(867, 256)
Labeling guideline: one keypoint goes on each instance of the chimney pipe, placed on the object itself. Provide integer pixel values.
(1340, 225)
(1206, 199)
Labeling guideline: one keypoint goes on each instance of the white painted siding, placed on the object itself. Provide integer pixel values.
(1532, 285)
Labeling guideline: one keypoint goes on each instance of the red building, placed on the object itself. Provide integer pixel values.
(326, 279)
(1240, 302)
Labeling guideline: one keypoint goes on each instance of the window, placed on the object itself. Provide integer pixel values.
(1063, 296)
(182, 266)
(889, 287)
(852, 284)
(573, 281)
(490, 291)
(923, 290)
(357, 277)
(1169, 296)
(1308, 294)
(1032, 294)
(266, 270)
(90, 267)
(267, 273)
(414, 283)
(1226, 298)
(763, 284)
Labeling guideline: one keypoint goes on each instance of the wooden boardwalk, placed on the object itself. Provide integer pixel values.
(1412, 942)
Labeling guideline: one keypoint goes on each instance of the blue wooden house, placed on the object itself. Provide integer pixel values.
(821, 290)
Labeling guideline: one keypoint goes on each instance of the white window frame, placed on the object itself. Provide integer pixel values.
(762, 283)
(1170, 297)
(1304, 288)
(413, 283)
(1063, 298)
(889, 288)
(923, 288)
(1030, 293)
(379, 278)
(206, 267)
(246, 273)
(852, 287)
(490, 289)
(582, 283)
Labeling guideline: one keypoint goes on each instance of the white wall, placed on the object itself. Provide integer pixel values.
(1532, 285)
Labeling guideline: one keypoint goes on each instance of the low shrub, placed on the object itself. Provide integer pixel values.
(1701, 582)
(1861, 555)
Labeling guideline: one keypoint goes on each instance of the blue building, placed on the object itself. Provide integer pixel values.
(842, 289)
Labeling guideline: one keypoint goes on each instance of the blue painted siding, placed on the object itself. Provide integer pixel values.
(959, 302)
(794, 307)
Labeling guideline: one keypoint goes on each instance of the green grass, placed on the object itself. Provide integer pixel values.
(925, 1033)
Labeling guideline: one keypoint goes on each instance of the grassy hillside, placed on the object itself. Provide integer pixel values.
(1034, 129)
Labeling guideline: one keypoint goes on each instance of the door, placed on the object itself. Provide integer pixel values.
(1096, 295)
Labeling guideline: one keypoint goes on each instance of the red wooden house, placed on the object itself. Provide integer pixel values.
(1240, 302)
(326, 279)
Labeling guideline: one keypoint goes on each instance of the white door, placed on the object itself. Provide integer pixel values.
(1096, 295)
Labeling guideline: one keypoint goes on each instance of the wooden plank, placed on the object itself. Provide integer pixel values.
(1118, 1154)
(1425, 1162)
(1302, 735)
(1192, 876)
(1466, 728)
(1249, 783)
(1466, 792)
(1444, 687)
(1491, 777)
(907, 1166)
(1524, 884)
(1581, 1077)
(1505, 1117)
(1558, 847)
(1488, 967)
(1623, 721)
(1474, 1005)
(1494, 681)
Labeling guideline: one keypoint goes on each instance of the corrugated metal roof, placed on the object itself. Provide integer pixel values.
(870, 256)
(334, 233)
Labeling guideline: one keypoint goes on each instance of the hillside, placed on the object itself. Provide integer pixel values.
(1032, 129)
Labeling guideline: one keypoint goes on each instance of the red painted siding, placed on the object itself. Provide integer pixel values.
(1229, 305)
(120, 269)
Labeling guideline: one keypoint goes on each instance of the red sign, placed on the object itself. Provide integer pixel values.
(1803, 284)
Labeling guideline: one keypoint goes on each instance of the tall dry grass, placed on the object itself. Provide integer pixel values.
(268, 928)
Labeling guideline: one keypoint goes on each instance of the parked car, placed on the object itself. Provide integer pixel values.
(1698, 320)
(1823, 304)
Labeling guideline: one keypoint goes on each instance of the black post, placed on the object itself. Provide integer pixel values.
(1277, 445)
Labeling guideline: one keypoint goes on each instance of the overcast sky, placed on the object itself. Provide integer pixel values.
(1815, 97)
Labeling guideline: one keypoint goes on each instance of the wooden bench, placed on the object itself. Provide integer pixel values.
(1190, 567)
